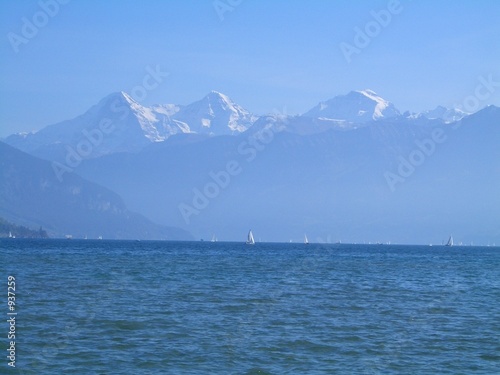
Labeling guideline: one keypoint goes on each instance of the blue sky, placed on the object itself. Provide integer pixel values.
(266, 55)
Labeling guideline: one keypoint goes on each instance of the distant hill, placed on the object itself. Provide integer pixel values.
(32, 195)
(8, 229)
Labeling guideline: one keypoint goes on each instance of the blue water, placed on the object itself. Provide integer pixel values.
(118, 307)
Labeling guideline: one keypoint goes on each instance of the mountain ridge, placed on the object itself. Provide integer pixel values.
(32, 195)
(118, 123)
(357, 107)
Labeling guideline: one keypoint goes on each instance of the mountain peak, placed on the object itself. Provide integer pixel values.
(356, 107)
(127, 97)
(215, 114)
(215, 93)
(381, 105)
(115, 99)
(368, 92)
(120, 95)
(448, 115)
(216, 96)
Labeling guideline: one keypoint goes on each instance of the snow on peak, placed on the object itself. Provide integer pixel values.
(448, 115)
(368, 92)
(356, 107)
(128, 98)
(381, 105)
(120, 105)
(219, 96)
(215, 114)
(116, 98)
(217, 99)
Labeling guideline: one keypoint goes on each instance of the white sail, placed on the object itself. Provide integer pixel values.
(450, 241)
(250, 239)
(214, 239)
(306, 241)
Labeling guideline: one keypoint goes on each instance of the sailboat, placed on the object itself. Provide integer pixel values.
(11, 235)
(250, 239)
(214, 239)
(306, 241)
(450, 242)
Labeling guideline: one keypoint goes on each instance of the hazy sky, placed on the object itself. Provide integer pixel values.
(264, 54)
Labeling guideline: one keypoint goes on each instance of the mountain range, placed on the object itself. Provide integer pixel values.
(352, 168)
(118, 123)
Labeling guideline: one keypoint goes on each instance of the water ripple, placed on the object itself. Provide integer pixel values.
(196, 308)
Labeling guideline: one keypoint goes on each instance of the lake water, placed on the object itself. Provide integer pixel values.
(119, 307)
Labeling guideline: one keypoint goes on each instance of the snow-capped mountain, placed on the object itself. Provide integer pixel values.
(356, 107)
(118, 123)
(344, 112)
(215, 114)
(448, 115)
